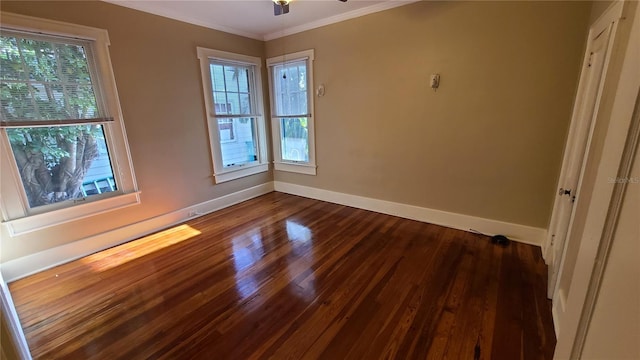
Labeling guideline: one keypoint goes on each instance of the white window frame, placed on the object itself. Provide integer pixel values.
(17, 216)
(220, 172)
(302, 167)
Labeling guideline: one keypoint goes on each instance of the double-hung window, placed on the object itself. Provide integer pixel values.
(291, 83)
(64, 149)
(233, 100)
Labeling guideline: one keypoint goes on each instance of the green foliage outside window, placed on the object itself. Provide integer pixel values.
(295, 127)
(48, 80)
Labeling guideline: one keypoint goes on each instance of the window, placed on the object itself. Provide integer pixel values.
(61, 125)
(291, 78)
(233, 98)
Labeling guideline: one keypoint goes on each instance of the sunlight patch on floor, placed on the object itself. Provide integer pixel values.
(136, 249)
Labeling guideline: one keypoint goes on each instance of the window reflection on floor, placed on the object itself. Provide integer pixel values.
(247, 250)
(301, 241)
(297, 232)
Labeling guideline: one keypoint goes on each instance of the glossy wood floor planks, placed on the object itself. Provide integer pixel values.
(285, 277)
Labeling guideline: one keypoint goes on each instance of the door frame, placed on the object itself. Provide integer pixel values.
(609, 19)
(619, 146)
(8, 310)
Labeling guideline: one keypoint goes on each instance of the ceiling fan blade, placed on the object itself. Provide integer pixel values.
(281, 8)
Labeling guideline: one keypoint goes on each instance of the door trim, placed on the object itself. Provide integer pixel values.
(13, 321)
(611, 221)
(608, 20)
(617, 154)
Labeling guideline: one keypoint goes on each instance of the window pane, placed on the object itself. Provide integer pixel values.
(221, 104)
(11, 67)
(245, 104)
(62, 162)
(302, 77)
(237, 140)
(217, 77)
(232, 95)
(234, 101)
(40, 60)
(243, 80)
(45, 80)
(294, 139)
(290, 88)
(300, 102)
(231, 77)
(17, 101)
(73, 61)
(292, 79)
(81, 101)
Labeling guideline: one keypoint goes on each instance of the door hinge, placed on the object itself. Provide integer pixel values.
(563, 191)
(589, 62)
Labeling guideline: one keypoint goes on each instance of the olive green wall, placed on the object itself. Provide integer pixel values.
(487, 143)
(158, 77)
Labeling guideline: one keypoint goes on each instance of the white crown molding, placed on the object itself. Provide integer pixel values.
(18, 268)
(169, 14)
(337, 18)
(520, 233)
(269, 36)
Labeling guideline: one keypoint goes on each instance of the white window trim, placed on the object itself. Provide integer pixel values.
(16, 214)
(308, 168)
(221, 173)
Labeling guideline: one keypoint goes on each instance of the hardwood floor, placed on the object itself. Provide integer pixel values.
(286, 277)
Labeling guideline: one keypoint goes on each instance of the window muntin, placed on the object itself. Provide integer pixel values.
(291, 78)
(232, 87)
(54, 118)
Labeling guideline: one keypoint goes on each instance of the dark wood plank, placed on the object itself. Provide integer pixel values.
(285, 277)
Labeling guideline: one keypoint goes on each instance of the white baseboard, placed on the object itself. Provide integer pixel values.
(31, 264)
(521, 233)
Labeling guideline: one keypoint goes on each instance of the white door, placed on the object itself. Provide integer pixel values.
(583, 118)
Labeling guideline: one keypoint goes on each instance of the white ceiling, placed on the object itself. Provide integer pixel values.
(255, 19)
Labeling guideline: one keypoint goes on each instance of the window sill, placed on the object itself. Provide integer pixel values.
(240, 172)
(307, 169)
(41, 221)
